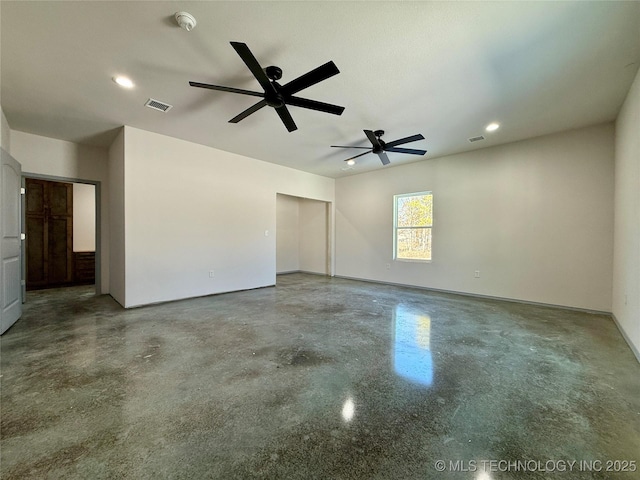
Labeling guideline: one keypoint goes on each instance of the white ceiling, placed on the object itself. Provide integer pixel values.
(443, 69)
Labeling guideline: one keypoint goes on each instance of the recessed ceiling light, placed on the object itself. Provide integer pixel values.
(492, 127)
(123, 81)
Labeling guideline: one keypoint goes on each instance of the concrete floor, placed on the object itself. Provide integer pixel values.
(315, 378)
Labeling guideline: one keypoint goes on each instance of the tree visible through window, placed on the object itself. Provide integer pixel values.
(412, 222)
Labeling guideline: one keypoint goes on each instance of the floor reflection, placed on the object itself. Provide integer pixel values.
(348, 410)
(412, 352)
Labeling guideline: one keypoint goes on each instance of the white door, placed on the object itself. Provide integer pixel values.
(10, 266)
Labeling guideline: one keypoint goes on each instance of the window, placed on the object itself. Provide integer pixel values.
(412, 223)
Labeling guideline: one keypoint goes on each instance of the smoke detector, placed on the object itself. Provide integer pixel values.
(186, 20)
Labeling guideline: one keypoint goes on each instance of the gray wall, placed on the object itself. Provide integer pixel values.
(287, 234)
(626, 271)
(116, 220)
(535, 217)
(84, 217)
(313, 236)
(5, 133)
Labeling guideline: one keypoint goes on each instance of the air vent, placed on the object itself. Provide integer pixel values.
(476, 139)
(157, 105)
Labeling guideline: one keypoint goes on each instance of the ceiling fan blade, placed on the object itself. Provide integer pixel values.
(249, 111)
(351, 158)
(226, 89)
(383, 158)
(316, 75)
(251, 62)
(405, 150)
(314, 105)
(412, 138)
(343, 146)
(286, 118)
(372, 138)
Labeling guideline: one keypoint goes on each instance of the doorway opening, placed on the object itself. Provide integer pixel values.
(302, 235)
(62, 233)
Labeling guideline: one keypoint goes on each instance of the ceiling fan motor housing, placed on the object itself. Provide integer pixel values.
(379, 148)
(274, 100)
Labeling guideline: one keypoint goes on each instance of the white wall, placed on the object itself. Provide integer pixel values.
(626, 269)
(117, 220)
(190, 209)
(287, 234)
(313, 236)
(535, 217)
(84, 217)
(58, 158)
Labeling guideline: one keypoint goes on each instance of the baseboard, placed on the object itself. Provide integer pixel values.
(633, 348)
(477, 295)
(289, 272)
(161, 302)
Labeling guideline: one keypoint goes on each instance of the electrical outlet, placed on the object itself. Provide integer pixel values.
(266, 233)
(388, 266)
(211, 274)
(477, 274)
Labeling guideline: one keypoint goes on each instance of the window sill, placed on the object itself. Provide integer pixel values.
(412, 260)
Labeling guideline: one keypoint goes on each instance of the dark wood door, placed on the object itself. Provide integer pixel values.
(49, 232)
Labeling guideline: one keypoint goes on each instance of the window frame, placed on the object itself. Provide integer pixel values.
(396, 228)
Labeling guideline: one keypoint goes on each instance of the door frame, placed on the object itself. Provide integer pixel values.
(329, 225)
(52, 178)
(10, 243)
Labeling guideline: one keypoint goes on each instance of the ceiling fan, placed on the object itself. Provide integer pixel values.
(380, 148)
(276, 95)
